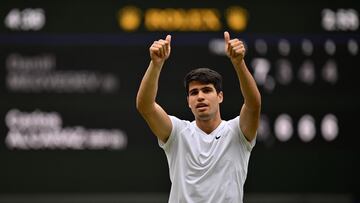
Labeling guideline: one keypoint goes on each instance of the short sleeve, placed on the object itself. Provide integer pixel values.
(176, 123)
(235, 125)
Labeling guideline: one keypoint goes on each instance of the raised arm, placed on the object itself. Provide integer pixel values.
(250, 110)
(155, 116)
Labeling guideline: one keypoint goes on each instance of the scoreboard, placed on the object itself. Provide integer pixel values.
(70, 71)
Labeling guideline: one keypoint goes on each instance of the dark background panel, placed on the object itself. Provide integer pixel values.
(84, 36)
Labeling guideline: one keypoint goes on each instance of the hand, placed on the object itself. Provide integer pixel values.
(234, 48)
(160, 50)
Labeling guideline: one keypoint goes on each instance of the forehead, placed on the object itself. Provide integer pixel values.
(199, 85)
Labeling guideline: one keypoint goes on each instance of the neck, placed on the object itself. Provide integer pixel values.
(208, 125)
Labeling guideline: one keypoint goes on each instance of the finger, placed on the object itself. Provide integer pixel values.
(163, 42)
(157, 45)
(168, 45)
(226, 37)
(160, 45)
(168, 39)
(161, 51)
(232, 52)
(229, 49)
(236, 46)
(165, 47)
(236, 43)
(155, 50)
(240, 50)
(231, 44)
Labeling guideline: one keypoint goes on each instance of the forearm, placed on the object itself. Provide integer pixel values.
(145, 100)
(249, 90)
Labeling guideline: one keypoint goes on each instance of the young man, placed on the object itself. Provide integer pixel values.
(208, 158)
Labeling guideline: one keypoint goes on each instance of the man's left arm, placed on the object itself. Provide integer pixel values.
(250, 110)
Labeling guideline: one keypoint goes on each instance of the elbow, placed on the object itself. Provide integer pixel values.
(142, 107)
(256, 105)
(139, 106)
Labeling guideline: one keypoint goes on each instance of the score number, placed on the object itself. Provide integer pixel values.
(26, 19)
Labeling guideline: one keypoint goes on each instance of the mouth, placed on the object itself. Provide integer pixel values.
(201, 105)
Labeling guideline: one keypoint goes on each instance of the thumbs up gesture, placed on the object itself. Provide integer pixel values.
(234, 48)
(160, 50)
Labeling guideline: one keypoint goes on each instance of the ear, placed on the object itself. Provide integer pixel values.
(221, 97)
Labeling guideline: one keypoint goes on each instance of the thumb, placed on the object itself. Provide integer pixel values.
(226, 36)
(168, 38)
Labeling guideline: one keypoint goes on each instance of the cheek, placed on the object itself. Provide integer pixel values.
(190, 102)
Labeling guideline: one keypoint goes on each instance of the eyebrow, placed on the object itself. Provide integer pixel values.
(193, 90)
(203, 88)
(207, 88)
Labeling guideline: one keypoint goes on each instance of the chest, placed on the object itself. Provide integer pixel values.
(203, 150)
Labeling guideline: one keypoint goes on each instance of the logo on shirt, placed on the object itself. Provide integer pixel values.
(217, 137)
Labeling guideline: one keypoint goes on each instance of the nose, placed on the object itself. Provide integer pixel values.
(200, 96)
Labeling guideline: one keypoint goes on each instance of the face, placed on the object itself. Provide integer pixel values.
(204, 100)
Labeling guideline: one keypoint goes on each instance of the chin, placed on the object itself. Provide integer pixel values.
(203, 117)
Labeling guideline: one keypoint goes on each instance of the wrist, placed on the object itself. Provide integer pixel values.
(157, 64)
(238, 62)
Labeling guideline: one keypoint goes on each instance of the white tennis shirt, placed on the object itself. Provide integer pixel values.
(207, 167)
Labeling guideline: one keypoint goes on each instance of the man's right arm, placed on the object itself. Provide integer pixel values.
(155, 116)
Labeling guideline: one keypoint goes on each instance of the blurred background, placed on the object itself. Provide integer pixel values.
(70, 70)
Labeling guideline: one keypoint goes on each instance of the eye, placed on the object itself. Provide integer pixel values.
(193, 92)
(207, 90)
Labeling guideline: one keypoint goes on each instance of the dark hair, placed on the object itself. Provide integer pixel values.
(205, 76)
